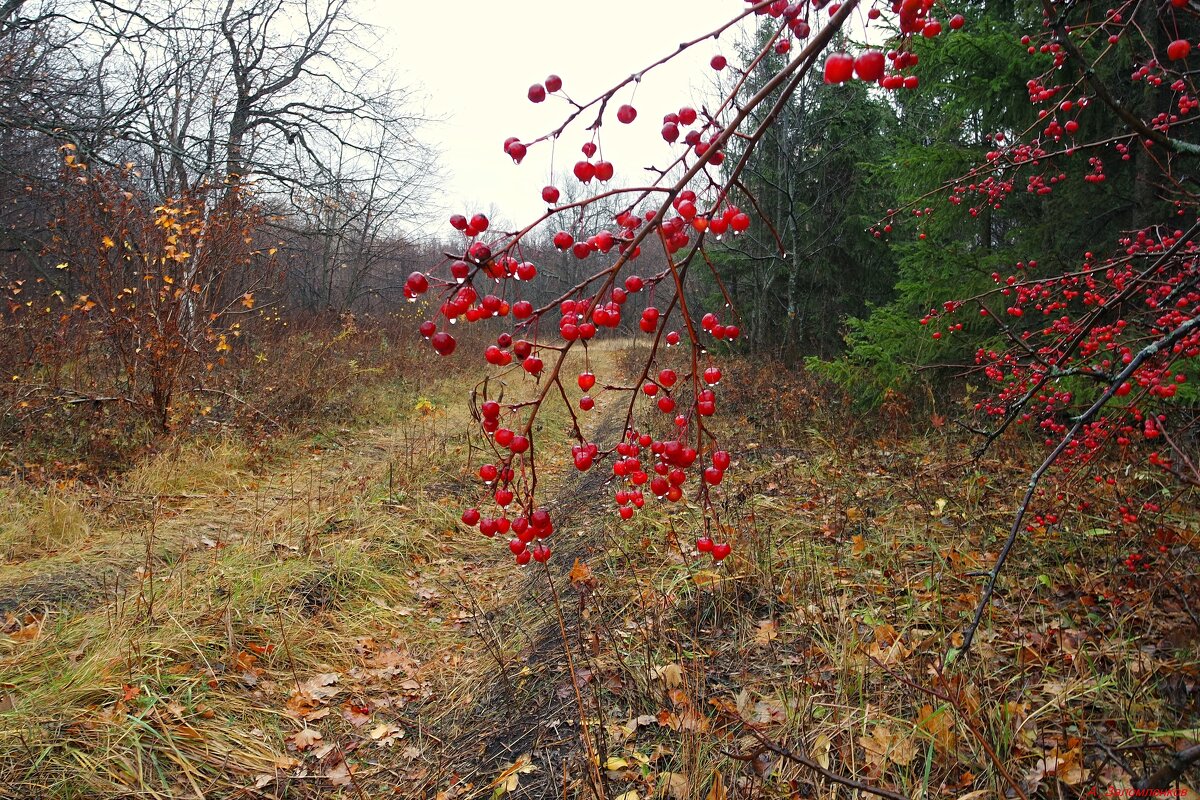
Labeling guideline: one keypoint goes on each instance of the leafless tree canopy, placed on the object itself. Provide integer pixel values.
(288, 96)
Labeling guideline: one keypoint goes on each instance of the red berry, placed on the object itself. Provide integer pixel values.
(839, 68)
(584, 171)
(586, 381)
(869, 66)
(586, 403)
(553, 83)
(427, 329)
(563, 240)
(458, 222)
(523, 557)
(670, 132)
(550, 194)
(704, 544)
(604, 170)
(720, 550)
(479, 222)
(537, 93)
(417, 283)
(516, 546)
(957, 21)
(443, 343)
(1179, 49)
(718, 62)
(541, 553)
(471, 517)
(626, 114)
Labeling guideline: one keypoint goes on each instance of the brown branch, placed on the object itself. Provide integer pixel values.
(1171, 772)
(1101, 90)
(808, 763)
(1143, 355)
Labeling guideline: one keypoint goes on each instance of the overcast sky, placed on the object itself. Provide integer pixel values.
(475, 60)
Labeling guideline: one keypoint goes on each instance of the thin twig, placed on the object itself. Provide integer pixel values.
(807, 762)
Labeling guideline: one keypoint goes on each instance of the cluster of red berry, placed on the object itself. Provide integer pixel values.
(660, 460)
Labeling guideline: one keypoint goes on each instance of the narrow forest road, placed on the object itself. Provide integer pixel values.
(321, 624)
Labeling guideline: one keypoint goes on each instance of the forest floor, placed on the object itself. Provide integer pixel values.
(309, 618)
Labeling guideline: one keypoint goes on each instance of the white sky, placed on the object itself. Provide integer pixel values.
(475, 60)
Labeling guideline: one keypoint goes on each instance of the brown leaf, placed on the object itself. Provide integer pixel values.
(767, 632)
(1066, 767)
(820, 750)
(510, 776)
(938, 725)
(386, 734)
(717, 790)
(883, 745)
(675, 784)
(341, 775)
(671, 675)
(304, 738)
(321, 687)
(581, 574)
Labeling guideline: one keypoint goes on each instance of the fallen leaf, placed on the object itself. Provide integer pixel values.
(717, 790)
(386, 734)
(1066, 767)
(820, 750)
(767, 632)
(676, 784)
(341, 775)
(581, 574)
(304, 738)
(938, 725)
(883, 745)
(671, 675)
(510, 777)
(321, 687)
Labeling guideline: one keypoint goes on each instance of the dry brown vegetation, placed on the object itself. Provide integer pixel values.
(307, 618)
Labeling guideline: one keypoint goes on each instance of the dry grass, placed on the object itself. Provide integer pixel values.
(38, 522)
(225, 585)
(248, 600)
